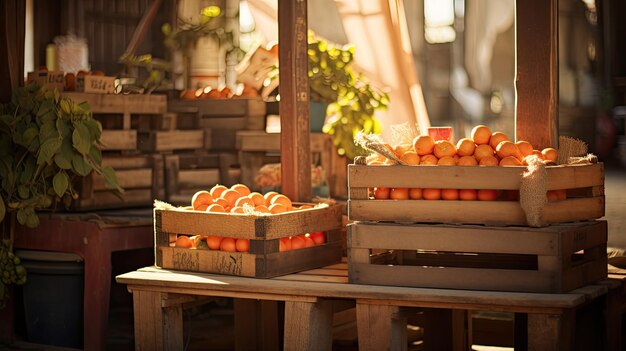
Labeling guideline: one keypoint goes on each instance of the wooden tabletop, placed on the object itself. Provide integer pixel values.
(332, 282)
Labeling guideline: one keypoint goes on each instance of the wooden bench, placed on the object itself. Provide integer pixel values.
(158, 296)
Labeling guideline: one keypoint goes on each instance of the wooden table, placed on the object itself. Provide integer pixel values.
(158, 296)
(93, 237)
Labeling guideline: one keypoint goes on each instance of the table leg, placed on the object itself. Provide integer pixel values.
(256, 324)
(156, 328)
(308, 325)
(551, 332)
(97, 293)
(380, 327)
(446, 329)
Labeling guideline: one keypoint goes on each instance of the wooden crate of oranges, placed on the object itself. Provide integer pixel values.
(552, 259)
(237, 232)
(476, 181)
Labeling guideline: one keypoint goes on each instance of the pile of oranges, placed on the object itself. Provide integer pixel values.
(239, 199)
(227, 244)
(482, 148)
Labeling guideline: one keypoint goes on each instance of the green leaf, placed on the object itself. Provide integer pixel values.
(63, 128)
(30, 134)
(66, 106)
(48, 130)
(32, 221)
(94, 127)
(22, 215)
(81, 167)
(81, 139)
(110, 178)
(23, 191)
(61, 161)
(60, 182)
(47, 151)
(96, 155)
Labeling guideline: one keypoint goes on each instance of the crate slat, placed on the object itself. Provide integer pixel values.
(118, 139)
(157, 141)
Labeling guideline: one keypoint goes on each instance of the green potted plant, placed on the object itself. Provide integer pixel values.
(46, 141)
(352, 101)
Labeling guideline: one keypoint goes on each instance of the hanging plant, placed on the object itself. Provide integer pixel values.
(46, 141)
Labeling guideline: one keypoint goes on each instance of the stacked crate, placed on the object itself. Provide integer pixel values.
(140, 175)
(482, 245)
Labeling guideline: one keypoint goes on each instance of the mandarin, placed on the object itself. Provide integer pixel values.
(213, 242)
(465, 147)
(429, 159)
(242, 245)
(242, 189)
(487, 195)
(489, 161)
(277, 208)
(444, 148)
(483, 150)
(281, 199)
(524, 147)
(399, 194)
(231, 196)
(497, 138)
(467, 161)
(201, 197)
(262, 209)
(468, 194)
(410, 158)
(215, 208)
(423, 144)
(229, 245)
(510, 161)
(431, 194)
(184, 241)
(268, 197)
(481, 134)
(244, 200)
(508, 148)
(415, 193)
(381, 193)
(450, 194)
(550, 154)
(217, 190)
(257, 198)
(447, 161)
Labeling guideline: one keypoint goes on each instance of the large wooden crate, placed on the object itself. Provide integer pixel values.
(553, 259)
(223, 117)
(141, 177)
(264, 260)
(187, 173)
(584, 184)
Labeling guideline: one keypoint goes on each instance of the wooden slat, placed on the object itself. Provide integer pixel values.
(198, 178)
(157, 141)
(220, 107)
(299, 317)
(127, 179)
(294, 105)
(248, 140)
(113, 139)
(537, 78)
(108, 199)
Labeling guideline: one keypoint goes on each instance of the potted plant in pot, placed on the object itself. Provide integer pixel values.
(352, 101)
(46, 141)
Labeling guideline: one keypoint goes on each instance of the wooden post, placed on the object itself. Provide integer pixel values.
(295, 154)
(537, 80)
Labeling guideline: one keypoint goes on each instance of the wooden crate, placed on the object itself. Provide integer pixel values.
(186, 173)
(223, 117)
(171, 140)
(553, 259)
(584, 184)
(264, 260)
(141, 177)
(114, 111)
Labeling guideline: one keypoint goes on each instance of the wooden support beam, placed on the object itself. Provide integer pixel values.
(537, 80)
(295, 155)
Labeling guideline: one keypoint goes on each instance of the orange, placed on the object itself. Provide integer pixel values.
(444, 148)
(318, 237)
(429, 159)
(375, 158)
(215, 208)
(268, 197)
(231, 196)
(431, 194)
(481, 134)
(467, 161)
(468, 194)
(465, 147)
(237, 209)
(242, 245)
(508, 148)
(550, 154)
(257, 198)
(423, 144)
(447, 161)
(244, 200)
(562, 194)
(552, 195)
(410, 158)
(284, 244)
(489, 161)
(497, 138)
(450, 194)
(262, 209)
(399, 194)
(201, 197)
(415, 193)
(483, 150)
(222, 202)
(228, 244)
(487, 195)
(510, 161)
(281, 199)
(217, 190)
(241, 189)
(201, 207)
(308, 241)
(277, 208)
(381, 193)
(539, 154)
(399, 150)
(297, 242)
(524, 147)
(184, 241)
(304, 207)
(214, 242)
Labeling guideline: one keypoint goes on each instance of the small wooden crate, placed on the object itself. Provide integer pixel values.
(171, 140)
(264, 260)
(584, 184)
(186, 173)
(141, 177)
(553, 259)
(223, 117)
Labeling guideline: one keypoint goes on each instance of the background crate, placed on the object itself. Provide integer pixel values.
(264, 259)
(141, 177)
(223, 117)
(187, 173)
(585, 184)
(172, 140)
(554, 259)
